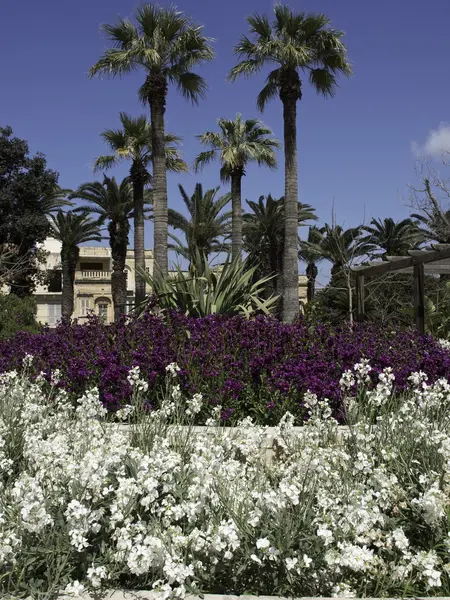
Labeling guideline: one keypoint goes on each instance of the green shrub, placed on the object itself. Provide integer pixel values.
(17, 314)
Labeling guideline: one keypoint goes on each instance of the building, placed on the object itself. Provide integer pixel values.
(92, 283)
(92, 291)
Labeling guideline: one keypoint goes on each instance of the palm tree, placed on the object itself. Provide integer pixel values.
(294, 42)
(206, 225)
(394, 238)
(236, 145)
(311, 253)
(341, 246)
(72, 229)
(113, 203)
(133, 143)
(264, 236)
(167, 45)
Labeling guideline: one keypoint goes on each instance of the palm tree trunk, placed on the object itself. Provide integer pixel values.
(236, 216)
(311, 274)
(290, 257)
(69, 258)
(157, 101)
(139, 239)
(118, 238)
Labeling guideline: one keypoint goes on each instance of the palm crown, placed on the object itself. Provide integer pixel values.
(238, 143)
(293, 42)
(206, 224)
(133, 142)
(74, 229)
(340, 246)
(394, 238)
(108, 199)
(165, 43)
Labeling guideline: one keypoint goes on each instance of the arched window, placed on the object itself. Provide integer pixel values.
(102, 309)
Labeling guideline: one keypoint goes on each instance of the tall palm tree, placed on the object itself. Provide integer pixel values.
(311, 253)
(236, 145)
(72, 229)
(206, 225)
(113, 203)
(264, 236)
(167, 45)
(294, 42)
(132, 142)
(393, 238)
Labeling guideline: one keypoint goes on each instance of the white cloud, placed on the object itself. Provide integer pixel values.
(437, 142)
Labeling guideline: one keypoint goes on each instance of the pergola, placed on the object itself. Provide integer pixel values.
(434, 260)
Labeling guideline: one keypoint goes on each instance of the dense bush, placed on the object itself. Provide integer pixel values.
(17, 314)
(257, 367)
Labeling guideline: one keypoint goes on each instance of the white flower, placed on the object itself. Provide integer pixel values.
(27, 360)
(400, 539)
(96, 575)
(74, 589)
(194, 405)
(347, 381)
(255, 559)
(262, 544)
(173, 369)
(326, 535)
(362, 370)
(135, 381)
(55, 377)
(290, 563)
(307, 561)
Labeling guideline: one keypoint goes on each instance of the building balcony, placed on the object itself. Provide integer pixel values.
(93, 276)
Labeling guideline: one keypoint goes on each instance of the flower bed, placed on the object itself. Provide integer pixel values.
(85, 507)
(258, 367)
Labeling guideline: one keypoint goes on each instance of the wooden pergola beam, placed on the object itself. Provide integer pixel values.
(404, 262)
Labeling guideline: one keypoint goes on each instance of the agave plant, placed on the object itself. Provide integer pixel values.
(226, 289)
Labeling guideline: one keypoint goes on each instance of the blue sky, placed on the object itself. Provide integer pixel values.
(355, 151)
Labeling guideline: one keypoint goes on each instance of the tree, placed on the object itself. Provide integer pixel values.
(264, 236)
(393, 238)
(311, 253)
(342, 247)
(431, 201)
(294, 42)
(28, 193)
(236, 145)
(167, 45)
(17, 314)
(206, 226)
(72, 229)
(113, 203)
(133, 143)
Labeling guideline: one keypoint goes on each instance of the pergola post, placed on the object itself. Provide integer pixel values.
(360, 297)
(419, 296)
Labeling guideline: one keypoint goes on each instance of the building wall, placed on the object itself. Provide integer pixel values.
(93, 283)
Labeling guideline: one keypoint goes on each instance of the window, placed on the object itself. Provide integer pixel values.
(129, 305)
(91, 266)
(103, 311)
(54, 280)
(54, 313)
(85, 305)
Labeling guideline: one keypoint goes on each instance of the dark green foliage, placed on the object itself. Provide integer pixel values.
(386, 237)
(28, 192)
(206, 226)
(264, 236)
(17, 314)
